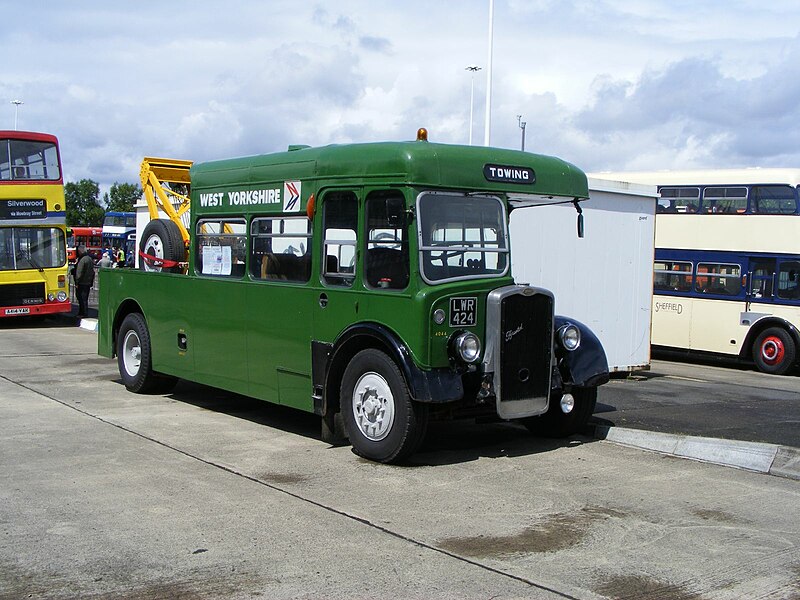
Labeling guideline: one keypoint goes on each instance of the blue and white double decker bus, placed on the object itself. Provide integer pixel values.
(117, 227)
(727, 263)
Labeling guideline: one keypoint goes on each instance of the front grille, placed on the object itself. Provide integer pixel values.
(21, 294)
(526, 339)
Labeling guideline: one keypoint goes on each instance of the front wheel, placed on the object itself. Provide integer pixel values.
(382, 422)
(556, 423)
(134, 358)
(774, 351)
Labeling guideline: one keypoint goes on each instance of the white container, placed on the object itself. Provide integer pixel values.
(605, 279)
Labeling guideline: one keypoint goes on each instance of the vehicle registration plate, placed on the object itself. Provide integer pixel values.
(463, 312)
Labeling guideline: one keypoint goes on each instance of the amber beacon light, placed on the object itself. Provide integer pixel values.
(422, 134)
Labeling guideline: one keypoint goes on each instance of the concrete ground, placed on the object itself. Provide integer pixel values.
(204, 494)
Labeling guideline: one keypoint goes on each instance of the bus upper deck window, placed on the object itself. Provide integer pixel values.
(679, 200)
(774, 200)
(724, 200)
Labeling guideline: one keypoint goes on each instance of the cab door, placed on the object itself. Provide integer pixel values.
(337, 303)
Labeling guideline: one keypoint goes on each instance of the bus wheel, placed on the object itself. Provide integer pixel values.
(133, 358)
(774, 351)
(162, 239)
(381, 420)
(556, 423)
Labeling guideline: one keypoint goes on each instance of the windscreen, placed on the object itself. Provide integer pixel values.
(31, 248)
(461, 236)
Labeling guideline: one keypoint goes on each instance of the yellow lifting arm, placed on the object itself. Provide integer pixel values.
(154, 173)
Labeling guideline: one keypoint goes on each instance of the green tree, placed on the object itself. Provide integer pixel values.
(122, 197)
(82, 206)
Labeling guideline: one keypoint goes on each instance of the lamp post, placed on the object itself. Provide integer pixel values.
(488, 124)
(473, 69)
(16, 104)
(522, 124)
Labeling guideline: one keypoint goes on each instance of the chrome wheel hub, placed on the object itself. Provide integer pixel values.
(373, 406)
(131, 353)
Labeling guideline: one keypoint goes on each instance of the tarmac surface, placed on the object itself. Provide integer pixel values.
(728, 402)
(729, 415)
(203, 494)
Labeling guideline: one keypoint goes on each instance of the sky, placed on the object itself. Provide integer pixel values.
(608, 85)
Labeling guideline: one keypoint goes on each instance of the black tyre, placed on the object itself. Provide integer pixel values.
(556, 423)
(774, 351)
(162, 239)
(134, 358)
(381, 421)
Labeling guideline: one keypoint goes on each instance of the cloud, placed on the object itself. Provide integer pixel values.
(375, 44)
(607, 84)
(693, 115)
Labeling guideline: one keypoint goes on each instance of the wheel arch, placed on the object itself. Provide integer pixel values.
(125, 308)
(587, 365)
(764, 323)
(435, 385)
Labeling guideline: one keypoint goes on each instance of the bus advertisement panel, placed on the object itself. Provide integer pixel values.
(369, 284)
(726, 277)
(33, 247)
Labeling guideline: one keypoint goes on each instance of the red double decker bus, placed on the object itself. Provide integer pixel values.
(91, 237)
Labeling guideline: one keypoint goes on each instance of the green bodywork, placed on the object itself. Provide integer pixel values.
(255, 336)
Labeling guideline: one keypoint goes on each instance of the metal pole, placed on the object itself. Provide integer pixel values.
(488, 127)
(522, 124)
(16, 104)
(474, 69)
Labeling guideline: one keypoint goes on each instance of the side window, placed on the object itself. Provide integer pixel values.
(762, 278)
(715, 278)
(725, 200)
(774, 200)
(679, 200)
(672, 276)
(386, 263)
(221, 245)
(281, 249)
(789, 281)
(340, 223)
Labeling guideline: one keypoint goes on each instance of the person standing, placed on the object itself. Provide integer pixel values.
(84, 278)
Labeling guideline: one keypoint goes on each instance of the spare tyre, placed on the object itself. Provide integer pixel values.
(162, 243)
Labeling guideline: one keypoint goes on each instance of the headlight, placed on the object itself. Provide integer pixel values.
(62, 296)
(569, 336)
(51, 296)
(467, 346)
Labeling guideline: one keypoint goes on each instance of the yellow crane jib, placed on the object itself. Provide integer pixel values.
(156, 175)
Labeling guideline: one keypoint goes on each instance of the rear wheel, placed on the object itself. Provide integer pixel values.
(556, 423)
(134, 358)
(774, 351)
(382, 422)
(161, 240)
